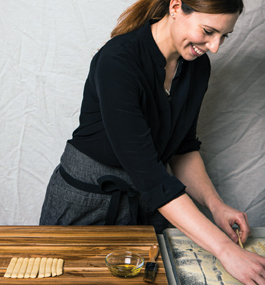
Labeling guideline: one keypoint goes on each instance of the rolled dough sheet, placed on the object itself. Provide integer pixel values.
(197, 266)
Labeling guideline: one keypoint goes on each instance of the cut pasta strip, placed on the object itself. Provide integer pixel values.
(42, 267)
(48, 269)
(261, 245)
(54, 267)
(11, 267)
(239, 239)
(60, 267)
(17, 268)
(29, 268)
(23, 268)
(35, 268)
(253, 249)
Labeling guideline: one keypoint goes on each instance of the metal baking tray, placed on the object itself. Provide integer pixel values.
(193, 265)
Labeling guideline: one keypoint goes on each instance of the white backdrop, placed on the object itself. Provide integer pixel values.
(45, 52)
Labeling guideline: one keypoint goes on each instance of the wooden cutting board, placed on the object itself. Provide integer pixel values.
(83, 248)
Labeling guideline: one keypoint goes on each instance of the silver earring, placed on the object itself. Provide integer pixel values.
(172, 14)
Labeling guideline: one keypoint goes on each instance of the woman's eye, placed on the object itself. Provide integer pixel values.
(207, 32)
(225, 36)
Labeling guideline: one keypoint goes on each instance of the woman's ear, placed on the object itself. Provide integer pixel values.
(174, 7)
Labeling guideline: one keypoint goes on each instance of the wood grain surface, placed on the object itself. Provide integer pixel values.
(83, 249)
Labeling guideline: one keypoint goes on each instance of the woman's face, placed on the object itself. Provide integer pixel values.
(195, 34)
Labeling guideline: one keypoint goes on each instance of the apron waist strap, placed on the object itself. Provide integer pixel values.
(108, 185)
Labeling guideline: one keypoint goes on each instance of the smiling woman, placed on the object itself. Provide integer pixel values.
(139, 113)
(201, 32)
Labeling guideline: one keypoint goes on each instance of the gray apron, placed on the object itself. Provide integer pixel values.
(83, 191)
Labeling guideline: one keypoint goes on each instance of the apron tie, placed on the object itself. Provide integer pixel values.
(108, 185)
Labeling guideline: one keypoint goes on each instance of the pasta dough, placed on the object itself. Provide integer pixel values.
(60, 267)
(17, 268)
(54, 267)
(33, 267)
(194, 265)
(10, 267)
(29, 268)
(42, 267)
(23, 268)
(48, 269)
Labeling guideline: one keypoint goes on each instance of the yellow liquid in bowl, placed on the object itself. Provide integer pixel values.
(125, 270)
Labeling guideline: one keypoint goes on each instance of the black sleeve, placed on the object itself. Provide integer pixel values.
(190, 142)
(119, 92)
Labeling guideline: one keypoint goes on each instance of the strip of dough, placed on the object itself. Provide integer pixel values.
(23, 268)
(29, 268)
(261, 245)
(239, 239)
(35, 268)
(11, 267)
(54, 267)
(48, 269)
(60, 267)
(17, 267)
(42, 267)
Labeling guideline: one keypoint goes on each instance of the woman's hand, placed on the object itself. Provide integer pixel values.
(225, 217)
(245, 266)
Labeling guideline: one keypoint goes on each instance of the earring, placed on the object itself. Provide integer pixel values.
(172, 14)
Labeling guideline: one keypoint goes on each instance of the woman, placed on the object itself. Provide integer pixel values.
(139, 114)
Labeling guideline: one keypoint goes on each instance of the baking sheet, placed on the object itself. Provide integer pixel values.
(193, 265)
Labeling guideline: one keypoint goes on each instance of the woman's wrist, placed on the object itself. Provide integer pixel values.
(213, 202)
(225, 250)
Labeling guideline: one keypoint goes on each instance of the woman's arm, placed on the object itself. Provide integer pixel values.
(245, 266)
(190, 170)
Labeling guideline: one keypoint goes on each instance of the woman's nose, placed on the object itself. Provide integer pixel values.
(214, 44)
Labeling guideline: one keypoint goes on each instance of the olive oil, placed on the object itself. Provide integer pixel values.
(125, 270)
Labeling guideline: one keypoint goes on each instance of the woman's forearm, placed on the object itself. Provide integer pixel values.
(189, 168)
(183, 214)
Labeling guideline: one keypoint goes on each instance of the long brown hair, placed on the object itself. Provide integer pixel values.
(143, 10)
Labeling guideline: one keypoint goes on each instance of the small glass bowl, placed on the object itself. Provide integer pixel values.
(124, 264)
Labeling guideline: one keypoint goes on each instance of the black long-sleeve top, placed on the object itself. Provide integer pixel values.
(127, 119)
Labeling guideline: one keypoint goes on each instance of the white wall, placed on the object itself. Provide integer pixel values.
(46, 48)
(232, 121)
(45, 52)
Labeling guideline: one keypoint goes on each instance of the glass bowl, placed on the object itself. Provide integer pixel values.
(123, 263)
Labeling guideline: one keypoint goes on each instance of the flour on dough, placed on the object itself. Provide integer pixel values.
(195, 265)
